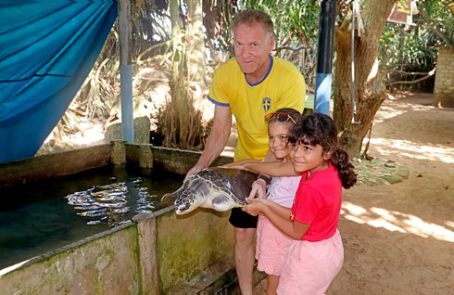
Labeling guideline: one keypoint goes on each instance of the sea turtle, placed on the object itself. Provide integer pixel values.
(216, 188)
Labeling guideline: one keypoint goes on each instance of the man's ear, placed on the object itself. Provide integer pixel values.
(272, 41)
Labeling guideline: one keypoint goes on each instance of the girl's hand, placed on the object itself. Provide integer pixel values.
(254, 206)
(258, 189)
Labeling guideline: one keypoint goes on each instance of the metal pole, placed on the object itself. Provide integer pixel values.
(323, 79)
(127, 118)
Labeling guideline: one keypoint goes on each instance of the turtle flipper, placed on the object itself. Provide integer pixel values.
(222, 203)
(169, 198)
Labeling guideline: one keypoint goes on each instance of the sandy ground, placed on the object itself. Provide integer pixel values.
(399, 238)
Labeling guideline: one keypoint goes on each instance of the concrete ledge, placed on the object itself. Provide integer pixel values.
(180, 161)
(66, 163)
(150, 255)
(81, 268)
(54, 165)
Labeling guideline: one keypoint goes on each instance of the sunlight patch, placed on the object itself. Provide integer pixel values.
(397, 221)
(413, 150)
(450, 223)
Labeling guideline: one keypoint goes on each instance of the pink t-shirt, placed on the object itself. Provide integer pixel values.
(282, 190)
(318, 202)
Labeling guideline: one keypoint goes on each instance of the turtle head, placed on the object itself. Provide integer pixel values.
(185, 199)
(191, 195)
(185, 203)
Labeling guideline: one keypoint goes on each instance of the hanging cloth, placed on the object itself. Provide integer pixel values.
(47, 49)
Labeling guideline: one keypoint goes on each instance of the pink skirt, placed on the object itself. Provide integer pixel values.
(310, 267)
(271, 248)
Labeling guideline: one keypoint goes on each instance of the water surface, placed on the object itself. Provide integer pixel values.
(35, 219)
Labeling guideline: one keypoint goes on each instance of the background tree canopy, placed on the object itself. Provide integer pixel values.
(178, 44)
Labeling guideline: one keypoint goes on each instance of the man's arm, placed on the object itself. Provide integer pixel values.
(216, 141)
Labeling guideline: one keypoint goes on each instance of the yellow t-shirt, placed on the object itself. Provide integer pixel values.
(282, 86)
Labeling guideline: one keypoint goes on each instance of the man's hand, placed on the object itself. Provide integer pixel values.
(258, 189)
(194, 170)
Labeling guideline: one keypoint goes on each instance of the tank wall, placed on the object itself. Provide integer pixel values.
(151, 255)
(180, 161)
(54, 165)
(70, 162)
(104, 264)
(189, 244)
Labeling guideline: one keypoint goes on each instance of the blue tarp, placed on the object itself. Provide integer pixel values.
(47, 48)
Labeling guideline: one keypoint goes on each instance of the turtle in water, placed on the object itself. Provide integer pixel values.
(216, 188)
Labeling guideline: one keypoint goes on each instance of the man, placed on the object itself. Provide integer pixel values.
(249, 86)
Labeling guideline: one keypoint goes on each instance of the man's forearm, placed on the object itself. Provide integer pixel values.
(216, 141)
(212, 150)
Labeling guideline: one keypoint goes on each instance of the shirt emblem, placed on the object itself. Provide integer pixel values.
(266, 104)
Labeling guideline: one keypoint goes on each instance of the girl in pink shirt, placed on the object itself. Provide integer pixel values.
(272, 245)
(316, 254)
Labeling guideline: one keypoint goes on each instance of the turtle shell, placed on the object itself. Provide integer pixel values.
(216, 188)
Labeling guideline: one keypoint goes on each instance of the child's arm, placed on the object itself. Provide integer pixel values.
(240, 164)
(278, 215)
(275, 168)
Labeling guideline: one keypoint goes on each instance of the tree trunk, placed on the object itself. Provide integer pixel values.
(181, 125)
(170, 123)
(368, 84)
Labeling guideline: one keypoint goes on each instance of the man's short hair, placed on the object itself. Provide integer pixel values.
(249, 16)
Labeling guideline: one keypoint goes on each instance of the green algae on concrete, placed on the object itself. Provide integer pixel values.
(188, 244)
(86, 267)
(146, 254)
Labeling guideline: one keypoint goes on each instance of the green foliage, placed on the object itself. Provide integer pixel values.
(409, 46)
(436, 16)
(415, 48)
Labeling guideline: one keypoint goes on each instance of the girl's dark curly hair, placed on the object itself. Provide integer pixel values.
(319, 128)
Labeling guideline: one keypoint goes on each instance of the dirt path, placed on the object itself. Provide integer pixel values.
(399, 239)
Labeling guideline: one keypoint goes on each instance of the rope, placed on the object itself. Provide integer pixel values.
(355, 11)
